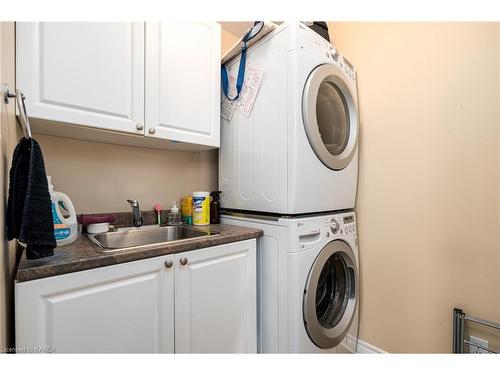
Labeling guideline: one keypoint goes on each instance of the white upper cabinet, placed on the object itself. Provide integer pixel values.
(183, 82)
(161, 80)
(83, 73)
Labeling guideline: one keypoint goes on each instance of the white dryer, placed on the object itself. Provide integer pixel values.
(297, 152)
(308, 292)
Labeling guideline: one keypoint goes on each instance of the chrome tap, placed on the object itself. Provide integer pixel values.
(136, 211)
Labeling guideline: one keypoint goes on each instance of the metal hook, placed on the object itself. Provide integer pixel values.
(7, 94)
(23, 115)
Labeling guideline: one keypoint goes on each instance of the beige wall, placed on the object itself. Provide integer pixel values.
(8, 140)
(100, 177)
(429, 199)
(228, 41)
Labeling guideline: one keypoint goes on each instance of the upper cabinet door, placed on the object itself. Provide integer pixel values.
(83, 73)
(183, 82)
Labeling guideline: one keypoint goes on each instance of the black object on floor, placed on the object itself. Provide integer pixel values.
(321, 28)
(29, 208)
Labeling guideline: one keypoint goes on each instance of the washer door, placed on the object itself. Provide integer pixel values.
(330, 295)
(330, 116)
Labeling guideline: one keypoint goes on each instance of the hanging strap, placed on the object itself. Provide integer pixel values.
(241, 75)
(251, 33)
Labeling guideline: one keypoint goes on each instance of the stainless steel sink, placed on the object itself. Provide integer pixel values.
(146, 237)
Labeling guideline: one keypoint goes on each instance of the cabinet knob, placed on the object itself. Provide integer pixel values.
(183, 261)
(152, 130)
(169, 263)
(139, 126)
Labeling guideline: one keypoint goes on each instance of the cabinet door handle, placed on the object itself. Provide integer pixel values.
(139, 126)
(169, 263)
(183, 261)
(152, 130)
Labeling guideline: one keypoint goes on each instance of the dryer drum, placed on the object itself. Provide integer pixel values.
(330, 296)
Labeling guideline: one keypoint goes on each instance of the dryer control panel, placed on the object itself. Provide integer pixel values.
(317, 45)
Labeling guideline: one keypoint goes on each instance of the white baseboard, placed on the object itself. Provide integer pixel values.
(362, 347)
(366, 348)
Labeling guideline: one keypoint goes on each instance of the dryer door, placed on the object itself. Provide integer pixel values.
(330, 295)
(330, 115)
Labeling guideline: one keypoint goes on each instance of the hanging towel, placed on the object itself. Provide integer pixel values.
(29, 208)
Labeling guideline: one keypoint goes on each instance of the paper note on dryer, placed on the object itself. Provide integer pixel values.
(227, 108)
(253, 79)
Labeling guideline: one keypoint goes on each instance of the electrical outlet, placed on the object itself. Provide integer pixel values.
(480, 342)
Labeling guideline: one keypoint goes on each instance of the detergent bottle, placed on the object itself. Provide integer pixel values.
(65, 228)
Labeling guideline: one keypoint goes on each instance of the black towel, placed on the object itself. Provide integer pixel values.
(29, 208)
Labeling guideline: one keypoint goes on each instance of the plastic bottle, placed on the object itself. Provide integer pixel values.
(65, 228)
(174, 216)
(187, 210)
(201, 208)
(215, 207)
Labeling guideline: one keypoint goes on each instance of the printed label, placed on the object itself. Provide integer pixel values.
(61, 231)
(248, 94)
(201, 211)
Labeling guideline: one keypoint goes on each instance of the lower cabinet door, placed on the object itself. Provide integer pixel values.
(215, 299)
(124, 308)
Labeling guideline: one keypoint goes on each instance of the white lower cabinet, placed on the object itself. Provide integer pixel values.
(207, 305)
(125, 308)
(215, 300)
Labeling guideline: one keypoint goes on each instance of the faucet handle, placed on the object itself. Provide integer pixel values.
(133, 202)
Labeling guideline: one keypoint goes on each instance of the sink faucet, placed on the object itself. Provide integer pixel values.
(136, 211)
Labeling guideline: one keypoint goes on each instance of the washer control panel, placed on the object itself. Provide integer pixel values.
(312, 231)
(348, 225)
(342, 224)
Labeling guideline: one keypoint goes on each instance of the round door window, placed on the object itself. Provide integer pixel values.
(330, 116)
(332, 292)
(330, 295)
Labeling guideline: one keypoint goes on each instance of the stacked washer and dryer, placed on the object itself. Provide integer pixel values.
(290, 169)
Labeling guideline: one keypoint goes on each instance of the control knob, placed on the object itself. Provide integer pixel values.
(334, 226)
(334, 54)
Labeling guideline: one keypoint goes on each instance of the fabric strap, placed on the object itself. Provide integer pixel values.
(241, 70)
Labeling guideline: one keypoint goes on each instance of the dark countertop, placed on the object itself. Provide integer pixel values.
(83, 255)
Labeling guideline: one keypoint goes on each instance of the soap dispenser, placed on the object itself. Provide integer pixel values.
(174, 216)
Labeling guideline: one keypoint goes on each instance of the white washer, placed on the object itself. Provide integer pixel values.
(297, 152)
(308, 282)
